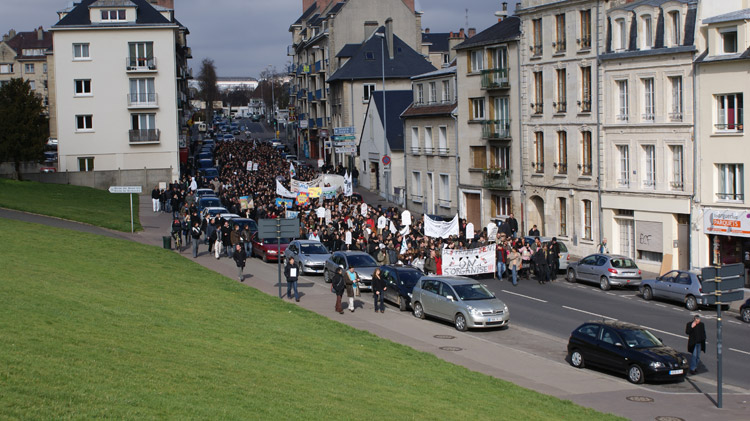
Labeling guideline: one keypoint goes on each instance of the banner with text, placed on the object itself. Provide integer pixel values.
(442, 229)
(469, 262)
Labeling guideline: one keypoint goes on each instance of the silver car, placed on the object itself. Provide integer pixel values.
(309, 255)
(677, 285)
(606, 270)
(564, 254)
(364, 265)
(463, 301)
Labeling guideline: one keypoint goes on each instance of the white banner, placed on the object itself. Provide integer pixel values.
(348, 189)
(249, 165)
(283, 192)
(469, 262)
(492, 232)
(440, 229)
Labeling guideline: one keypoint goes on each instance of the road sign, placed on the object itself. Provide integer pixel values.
(276, 228)
(346, 150)
(125, 189)
(343, 130)
(726, 284)
(725, 297)
(342, 144)
(386, 160)
(725, 272)
(344, 137)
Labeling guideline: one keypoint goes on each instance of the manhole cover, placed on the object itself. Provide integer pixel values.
(669, 419)
(639, 399)
(444, 337)
(451, 348)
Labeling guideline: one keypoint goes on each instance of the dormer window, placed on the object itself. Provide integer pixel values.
(674, 18)
(728, 40)
(113, 15)
(648, 33)
(621, 35)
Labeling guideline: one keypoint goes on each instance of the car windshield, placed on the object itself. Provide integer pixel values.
(409, 277)
(640, 338)
(623, 264)
(361, 260)
(275, 241)
(207, 202)
(468, 292)
(313, 249)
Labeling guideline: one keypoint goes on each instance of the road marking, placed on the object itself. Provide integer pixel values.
(734, 322)
(666, 333)
(737, 350)
(660, 305)
(588, 312)
(524, 296)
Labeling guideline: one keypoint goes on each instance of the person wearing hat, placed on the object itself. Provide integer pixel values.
(554, 258)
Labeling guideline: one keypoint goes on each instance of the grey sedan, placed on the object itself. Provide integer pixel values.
(309, 255)
(606, 270)
(463, 301)
(677, 285)
(364, 265)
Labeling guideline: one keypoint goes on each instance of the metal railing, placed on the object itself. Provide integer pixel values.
(496, 129)
(730, 196)
(560, 107)
(144, 136)
(538, 108)
(537, 167)
(496, 179)
(536, 50)
(143, 100)
(562, 168)
(584, 43)
(416, 150)
(732, 127)
(495, 79)
(134, 64)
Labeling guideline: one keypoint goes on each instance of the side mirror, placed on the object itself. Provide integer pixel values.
(617, 344)
(450, 297)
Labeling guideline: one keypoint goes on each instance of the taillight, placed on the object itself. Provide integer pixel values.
(612, 270)
(568, 258)
(639, 271)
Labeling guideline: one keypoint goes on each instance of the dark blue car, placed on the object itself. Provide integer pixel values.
(399, 282)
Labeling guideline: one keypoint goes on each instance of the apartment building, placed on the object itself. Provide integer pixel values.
(647, 130)
(561, 146)
(488, 72)
(122, 91)
(438, 46)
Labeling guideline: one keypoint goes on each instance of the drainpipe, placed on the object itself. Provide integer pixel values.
(598, 131)
(458, 158)
(521, 136)
(696, 168)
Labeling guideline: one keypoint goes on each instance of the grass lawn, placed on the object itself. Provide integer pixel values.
(94, 327)
(82, 204)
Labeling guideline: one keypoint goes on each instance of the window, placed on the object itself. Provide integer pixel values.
(478, 157)
(677, 167)
(477, 108)
(81, 51)
(562, 91)
(446, 91)
(6, 69)
(586, 167)
(648, 33)
(538, 164)
(538, 105)
(502, 114)
(729, 113)
(82, 87)
(676, 25)
(84, 123)
(433, 93)
(586, 89)
(624, 110)
(367, 90)
(28, 68)
(586, 213)
(143, 121)
(648, 99)
(500, 156)
(650, 256)
(499, 58)
(731, 186)
(420, 94)
(33, 52)
(442, 140)
(562, 152)
(622, 35)
(585, 41)
(536, 31)
(563, 207)
(560, 42)
(86, 164)
(675, 113)
(623, 152)
(501, 206)
(445, 190)
(446, 58)
(415, 140)
(729, 41)
(428, 140)
(477, 61)
(110, 15)
(44, 68)
(32, 85)
(649, 164)
(141, 55)
(416, 186)
(142, 91)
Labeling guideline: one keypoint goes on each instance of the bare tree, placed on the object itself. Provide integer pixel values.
(209, 91)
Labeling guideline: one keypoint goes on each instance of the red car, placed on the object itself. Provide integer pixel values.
(268, 249)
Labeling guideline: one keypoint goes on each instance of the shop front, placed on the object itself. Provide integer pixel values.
(728, 233)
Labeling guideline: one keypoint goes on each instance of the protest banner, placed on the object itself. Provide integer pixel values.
(291, 214)
(283, 192)
(329, 193)
(302, 199)
(287, 203)
(314, 192)
(441, 229)
(469, 262)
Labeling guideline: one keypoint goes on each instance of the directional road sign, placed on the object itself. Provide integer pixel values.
(344, 138)
(343, 130)
(731, 277)
(125, 189)
(342, 144)
(278, 228)
(725, 297)
(346, 150)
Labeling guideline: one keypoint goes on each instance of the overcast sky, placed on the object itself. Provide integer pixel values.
(245, 36)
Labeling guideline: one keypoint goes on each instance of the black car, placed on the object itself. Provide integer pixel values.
(399, 282)
(745, 311)
(625, 348)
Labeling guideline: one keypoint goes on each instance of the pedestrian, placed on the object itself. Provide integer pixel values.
(155, 195)
(430, 264)
(196, 233)
(602, 247)
(291, 273)
(526, 260)
(541, 266)
(514, 263)
(378, 290)
(226, 238)
(338, 286)
(501, 257)
(382, 255)
(553, 261)
(512, 224)
(534, 232)
(351, 285)
(696, 332)
(239, 257)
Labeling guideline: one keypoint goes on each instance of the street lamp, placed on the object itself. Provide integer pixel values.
(385, 113)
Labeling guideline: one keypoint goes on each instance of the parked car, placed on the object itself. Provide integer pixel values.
(564, 254)
(268, 248)
(745, 311)
(208, 202)
(677, 285)
(206, 155)
(606, 270)
(204, 192)
(244, 222)
(399, 282)
(310, 256)
(213, 211)
(625, 348)
(364, 265)
(228, 137)
(463, 301)
(208, 174)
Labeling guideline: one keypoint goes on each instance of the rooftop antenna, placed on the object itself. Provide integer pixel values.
(467, 17)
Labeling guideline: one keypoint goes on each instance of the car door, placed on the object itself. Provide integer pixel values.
(391, 285)
(428, 298)
(587, 338)
(611, 350)
(585, 267)
(663, 285)
(681, 286)
(387, 276)
(290, 252)
(446, 302)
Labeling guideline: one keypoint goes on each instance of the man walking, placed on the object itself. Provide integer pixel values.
(291, 279)
(696, 332)
(239, 257)
(155, 195)
(196, 234)
(512, 224)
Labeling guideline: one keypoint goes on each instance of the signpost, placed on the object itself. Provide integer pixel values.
(348, 149)
(342, 131)
(386, 160)
(127, 190)
(722, 285)
(278, 228)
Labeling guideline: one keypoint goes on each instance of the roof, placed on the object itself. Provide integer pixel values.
(30, 40)
(79, 16)
(429, 110)
(649, 52)
(705, 58)
(113, 3)
(366, 62)
(306, 14)
(729, 17)
(439, 72)
(336, 8)
(438, 41)
(398, 101)
(453, 280)
(652, 3)
(508, 29)
(348, 50)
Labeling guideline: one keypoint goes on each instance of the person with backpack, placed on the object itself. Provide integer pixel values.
(338, 286)
(239, 257)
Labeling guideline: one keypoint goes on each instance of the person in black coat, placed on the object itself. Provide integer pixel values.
(338, 285)
(226, 238)
(513, 224)
(291, 271)
(239, 257)
(378, 290)
(541, 266)
(553, 261)
(696, 332)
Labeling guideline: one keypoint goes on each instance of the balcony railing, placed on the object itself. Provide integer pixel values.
(537, 108)
(496, 179)
(537, 167)
(444, 203)
(144, 136)
(623, 182)
(417, 198)
(443, 151)
(536, 50)
(496, 129)
(621, 117)
(560, 107)
(495, 79)
(143, 100)
(560, 46)
(584, 43)
(648, 117)
(415, 150)
(562, 168)
(675, 116)
(649, 183)
(585, 169)
(730, 196)
(140, 64)
(676, 185)
(733, 127)
(429, 150)
(585, 105)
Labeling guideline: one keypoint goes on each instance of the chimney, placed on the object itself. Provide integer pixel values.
(461, 33)
(306, 4)
(472, 32)
(370, 27)
(40, 34)
(389, 36)
(502, 14)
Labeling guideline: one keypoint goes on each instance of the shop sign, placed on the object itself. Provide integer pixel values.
(726, 222)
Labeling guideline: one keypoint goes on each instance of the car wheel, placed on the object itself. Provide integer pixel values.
(326, 276)
(460, 322)
(401, 303)
(635, 374)
(265, 257)
(418, 310)
(604, 283)
(576, 359)
(691, 303)
(571, 276)
(648, 294)
(746, 315)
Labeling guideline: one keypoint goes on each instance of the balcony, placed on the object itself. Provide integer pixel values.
(495, 79)
(584, 43)
(415, 150)
(536, 50)
(496, 179)
(537, 108)
(142, 137)
(140, 64)
(586, 169)
(496, 129)
(677, 185)
(730, 196)
(560, 46)
(560, 107)
(585, 105)
(143, 101)
(562, 168)
(537, 167)
(675, 116)
(623, 182)
(731, 127)
(650, 117)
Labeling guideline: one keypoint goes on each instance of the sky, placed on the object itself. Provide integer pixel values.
(244, 37)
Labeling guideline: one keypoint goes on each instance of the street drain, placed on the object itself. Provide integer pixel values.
(444, 337)
(639, 399)
(669, 419)
(451, 348)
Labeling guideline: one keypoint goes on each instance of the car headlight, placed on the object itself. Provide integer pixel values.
(271, 251)
(474, 311)
(409, 294)
(656, 364)
(505, 308)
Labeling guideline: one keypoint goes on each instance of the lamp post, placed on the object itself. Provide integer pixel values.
(385, 113)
